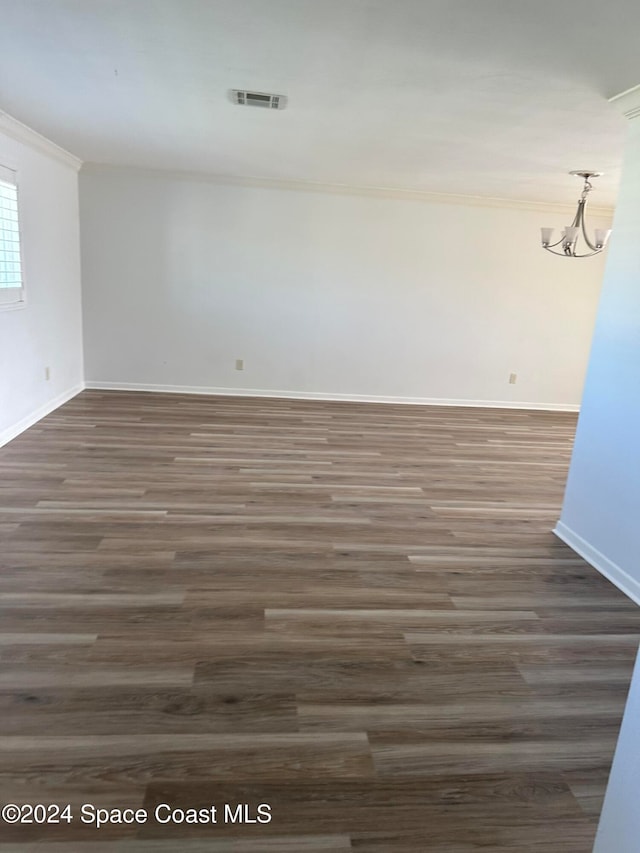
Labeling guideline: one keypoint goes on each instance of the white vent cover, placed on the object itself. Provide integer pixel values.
(258, 99)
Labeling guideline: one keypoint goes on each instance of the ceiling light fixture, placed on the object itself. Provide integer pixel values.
(569, 237)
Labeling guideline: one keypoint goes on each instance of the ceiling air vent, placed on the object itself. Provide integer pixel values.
(258, 99)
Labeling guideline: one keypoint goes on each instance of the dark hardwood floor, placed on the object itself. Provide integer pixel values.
(356, 614)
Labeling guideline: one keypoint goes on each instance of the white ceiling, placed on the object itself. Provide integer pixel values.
(495, 98)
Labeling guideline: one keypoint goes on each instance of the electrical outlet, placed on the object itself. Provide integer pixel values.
(512, 378)
(239, 364)
(47, 373)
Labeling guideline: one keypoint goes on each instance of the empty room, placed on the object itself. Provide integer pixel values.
(319, 418)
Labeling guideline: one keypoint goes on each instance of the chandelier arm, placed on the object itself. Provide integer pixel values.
(576, 218)
(593, 248)
(589, 254)
(571, 254)
(559, 254)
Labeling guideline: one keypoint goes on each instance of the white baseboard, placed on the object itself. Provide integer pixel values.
(321, 395)
(13, 431)
(612, 571)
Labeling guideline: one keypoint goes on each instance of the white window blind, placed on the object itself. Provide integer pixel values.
(11, 283)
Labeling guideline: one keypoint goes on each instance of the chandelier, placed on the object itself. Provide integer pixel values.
(569, 237)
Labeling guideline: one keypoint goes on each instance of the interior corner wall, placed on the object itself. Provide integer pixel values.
(602, 501)
(327, 294)
(47, 331)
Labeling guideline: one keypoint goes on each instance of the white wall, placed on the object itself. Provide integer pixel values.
(47, 332)
(601, 511)
(327, 293)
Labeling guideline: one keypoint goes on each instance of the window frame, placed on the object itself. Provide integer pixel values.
(14, 298)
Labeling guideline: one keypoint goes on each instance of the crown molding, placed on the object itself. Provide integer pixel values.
(21, 133)
(628, 102)
(346, 189)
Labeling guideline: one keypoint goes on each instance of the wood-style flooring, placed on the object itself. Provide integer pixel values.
(356, 614)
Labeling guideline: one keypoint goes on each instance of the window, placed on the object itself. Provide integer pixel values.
(11, 285)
